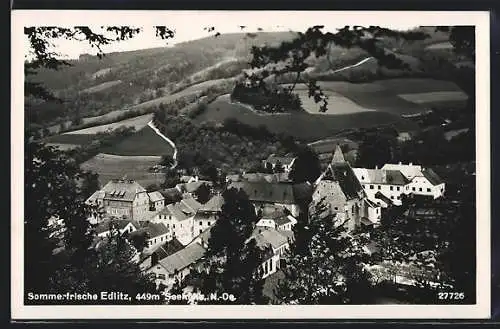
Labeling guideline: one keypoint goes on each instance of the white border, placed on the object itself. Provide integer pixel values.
(148, 18)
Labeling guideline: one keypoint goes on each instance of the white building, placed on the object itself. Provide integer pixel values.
(339, 192)
(177, 266)
(385, 186)
(179, 219)
(274, 244)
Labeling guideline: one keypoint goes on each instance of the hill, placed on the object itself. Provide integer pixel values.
(91, 87)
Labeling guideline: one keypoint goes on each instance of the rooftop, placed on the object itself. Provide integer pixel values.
(116, 223)
(381, 176)
(122, 189)
(183, 258)
(432, 177)
(155, 196)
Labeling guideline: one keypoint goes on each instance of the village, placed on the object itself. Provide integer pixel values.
(175, 226)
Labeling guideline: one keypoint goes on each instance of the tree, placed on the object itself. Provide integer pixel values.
(306, 167)
(375, 149)
(232, 261)
(330, 270)
(172, 178)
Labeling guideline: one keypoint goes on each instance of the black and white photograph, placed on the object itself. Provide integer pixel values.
(304, 164)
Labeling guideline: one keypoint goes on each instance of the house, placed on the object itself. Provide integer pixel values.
(171, 195)
(338, 192)
(286, 195)
(156, 201)
(188, 179)
(122, 198)
(273, 161)
(387, 184)
(277, 219)
(191, 187)
(179, 218)
(104, 228)
(274, 245)
(156, 234)
(160, 251)
(207, 214)
(422, 181)
(178, 265)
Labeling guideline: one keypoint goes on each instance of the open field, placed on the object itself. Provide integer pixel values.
(137, 122)
(101, 87)
(440, 45)
(305, 126)
(383, 95)
(135, 167)
(338, 104)
(145, 142)
(436, 96)
(74, 139)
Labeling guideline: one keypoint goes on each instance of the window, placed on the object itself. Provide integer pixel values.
(420, 189)
(208, 223)
(379, 187)
(201, 230)
(362, 177)
(201, 223)
(173, 225)
(371, 187)
(391, 188)
(413, 188)
(397, 188)
(161, 276)
(428, 189)
(392, 197)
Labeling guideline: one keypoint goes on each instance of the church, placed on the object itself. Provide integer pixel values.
(338, 192)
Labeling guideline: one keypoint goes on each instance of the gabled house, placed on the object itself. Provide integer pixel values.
(105, 228)
(422, 181)
(150, 257)
(122, 198)
(382, 186)
(155, 233)
(207, 214)
(338, 192)
(274, 245)
(178, 217)
(178, 265)
(276, 218)
(156, 201)
(273, 161)
(285, 195)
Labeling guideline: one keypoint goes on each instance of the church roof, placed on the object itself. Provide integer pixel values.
(338, 156)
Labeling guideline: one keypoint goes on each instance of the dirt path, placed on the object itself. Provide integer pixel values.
(168, 140)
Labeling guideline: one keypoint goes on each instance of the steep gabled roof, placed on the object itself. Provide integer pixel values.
(381, 196)
(344, 175)
(116, 223)
(432, 177)
(338, 156)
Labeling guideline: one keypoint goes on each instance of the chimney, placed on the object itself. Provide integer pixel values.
(399, 162)
(411, 163)
(376, 167)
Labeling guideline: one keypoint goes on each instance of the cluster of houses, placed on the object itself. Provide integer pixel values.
(176, 226)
